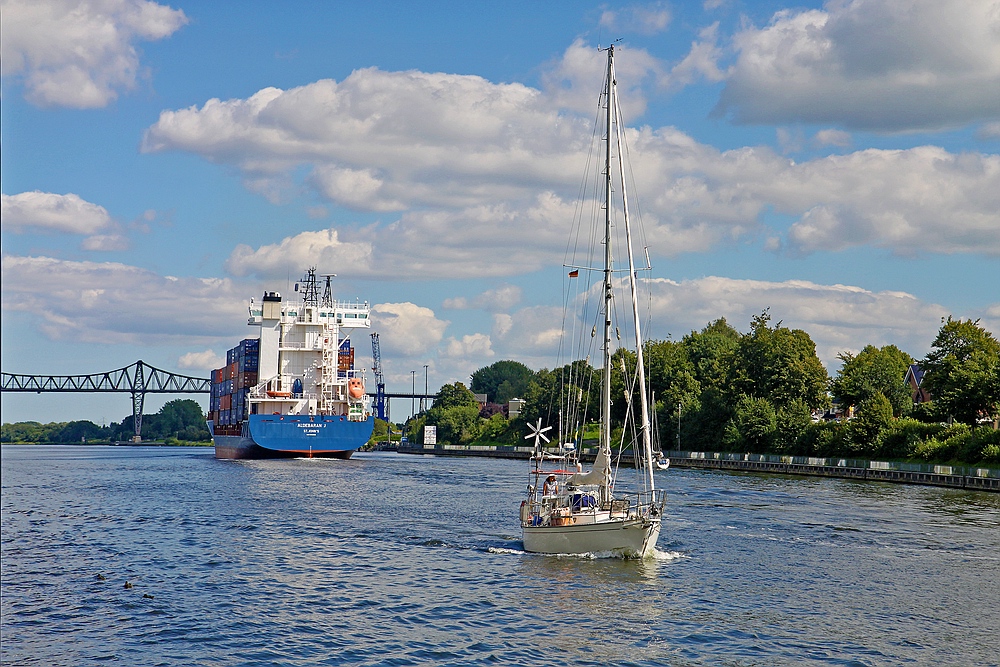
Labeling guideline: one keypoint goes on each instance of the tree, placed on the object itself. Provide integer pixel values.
(181, 418)
(672, 375)
(962, 371)
(455, 413)
(793, 419)
(380, 432)
(573, 390)
(874, 370)
(711, 352)
(874, 416)
(502, 381)
(694, 373)
(753, 426)
(452, 395)
(457, 425)
(79, 431)
(779, 364)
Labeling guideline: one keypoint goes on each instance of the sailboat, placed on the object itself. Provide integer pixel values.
(567, 510)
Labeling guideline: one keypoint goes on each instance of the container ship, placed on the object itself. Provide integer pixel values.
(293, 390)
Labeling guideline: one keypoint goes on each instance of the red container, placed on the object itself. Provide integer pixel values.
(226, 402)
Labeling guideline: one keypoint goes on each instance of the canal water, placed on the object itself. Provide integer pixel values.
(391, 559)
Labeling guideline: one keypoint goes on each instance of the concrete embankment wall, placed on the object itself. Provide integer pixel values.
(960, 477)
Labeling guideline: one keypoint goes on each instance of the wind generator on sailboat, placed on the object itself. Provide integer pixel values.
(567, 510)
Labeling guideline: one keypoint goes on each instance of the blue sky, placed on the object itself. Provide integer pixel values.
(834, 162)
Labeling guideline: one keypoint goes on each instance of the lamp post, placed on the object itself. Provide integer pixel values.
(678, 426)
(423, 405)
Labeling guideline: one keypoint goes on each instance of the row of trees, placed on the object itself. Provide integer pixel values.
(763, 391)
(180, 420)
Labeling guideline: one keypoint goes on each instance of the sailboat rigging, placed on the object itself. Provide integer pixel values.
(568, 510)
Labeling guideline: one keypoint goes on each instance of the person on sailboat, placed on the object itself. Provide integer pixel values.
(551, 486)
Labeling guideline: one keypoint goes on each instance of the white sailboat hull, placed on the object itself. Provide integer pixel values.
(634, 538)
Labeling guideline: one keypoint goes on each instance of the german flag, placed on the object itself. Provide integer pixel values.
(575, 273)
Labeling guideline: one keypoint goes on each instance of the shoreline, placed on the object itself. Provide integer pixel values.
(957, 477)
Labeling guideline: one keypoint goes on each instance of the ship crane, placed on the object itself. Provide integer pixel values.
(380, 402)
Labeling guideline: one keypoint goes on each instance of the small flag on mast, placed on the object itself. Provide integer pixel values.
(574, 273)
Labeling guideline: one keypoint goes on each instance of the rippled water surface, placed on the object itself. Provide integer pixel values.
(391, 559)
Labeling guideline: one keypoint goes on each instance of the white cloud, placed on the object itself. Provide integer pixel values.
(502, 324)
(106, 242)
(701, 62)
(384, 140)
(472, 346)
(486, 182)
(45, 211)
(575, 80)
(837, 317)
(532, 333)
(323, 249)
(989, 130)
(494, 301)
(881, 65)
(206, 360)
(644, 19)
(831, 137)
(919, 200)
(407, 329)
(112, 303)
(79, 54)
(790, 140)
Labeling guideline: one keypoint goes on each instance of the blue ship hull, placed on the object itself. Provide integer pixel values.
(293, 436)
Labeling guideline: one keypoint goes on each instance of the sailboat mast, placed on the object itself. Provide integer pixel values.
(606, 376)
(640, 365)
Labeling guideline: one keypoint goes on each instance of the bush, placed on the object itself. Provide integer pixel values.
(981, 445)
(822, 439)
(990, 454)
(498, 429)
(901, 439)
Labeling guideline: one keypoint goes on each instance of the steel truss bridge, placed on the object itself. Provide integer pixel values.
(137, 379)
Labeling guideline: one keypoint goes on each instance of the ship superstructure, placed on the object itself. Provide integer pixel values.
(293, 390)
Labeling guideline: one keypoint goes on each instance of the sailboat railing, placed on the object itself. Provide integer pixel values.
(571, 508)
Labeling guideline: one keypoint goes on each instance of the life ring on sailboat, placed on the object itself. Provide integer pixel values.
(355, 388)
(525, 511)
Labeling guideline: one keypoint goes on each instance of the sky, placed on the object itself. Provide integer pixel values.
(837, 163)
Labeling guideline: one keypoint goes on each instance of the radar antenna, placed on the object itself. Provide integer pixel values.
(328, 291)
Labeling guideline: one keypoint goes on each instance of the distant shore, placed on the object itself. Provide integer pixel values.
(117, 443)
(960, 477)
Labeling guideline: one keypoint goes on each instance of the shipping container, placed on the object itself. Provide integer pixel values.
(246, 380)
(226, 402)
(345, 361)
